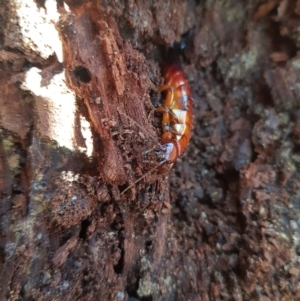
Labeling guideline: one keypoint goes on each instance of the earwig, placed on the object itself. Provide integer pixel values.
(177, 118)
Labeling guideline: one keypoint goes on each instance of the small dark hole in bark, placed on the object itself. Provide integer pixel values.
(82, 74)
(122, 187)
(132, 288)
(148, 244)
(22, 292)
(119, 266)
(2, 255)
(84, 227)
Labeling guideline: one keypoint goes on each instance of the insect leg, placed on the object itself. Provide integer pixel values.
(170, 96)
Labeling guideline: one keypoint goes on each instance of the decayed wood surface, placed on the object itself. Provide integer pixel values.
(76, 115)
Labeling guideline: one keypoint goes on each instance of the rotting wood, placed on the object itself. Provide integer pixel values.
(231, 227)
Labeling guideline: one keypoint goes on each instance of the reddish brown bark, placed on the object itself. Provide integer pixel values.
(221, 225)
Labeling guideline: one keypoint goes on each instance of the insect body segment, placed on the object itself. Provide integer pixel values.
(177, 116)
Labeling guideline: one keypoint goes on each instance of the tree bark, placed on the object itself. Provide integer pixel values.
(77, 115)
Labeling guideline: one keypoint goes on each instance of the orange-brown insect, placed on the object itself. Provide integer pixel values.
(176, 121)
(177, 116)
